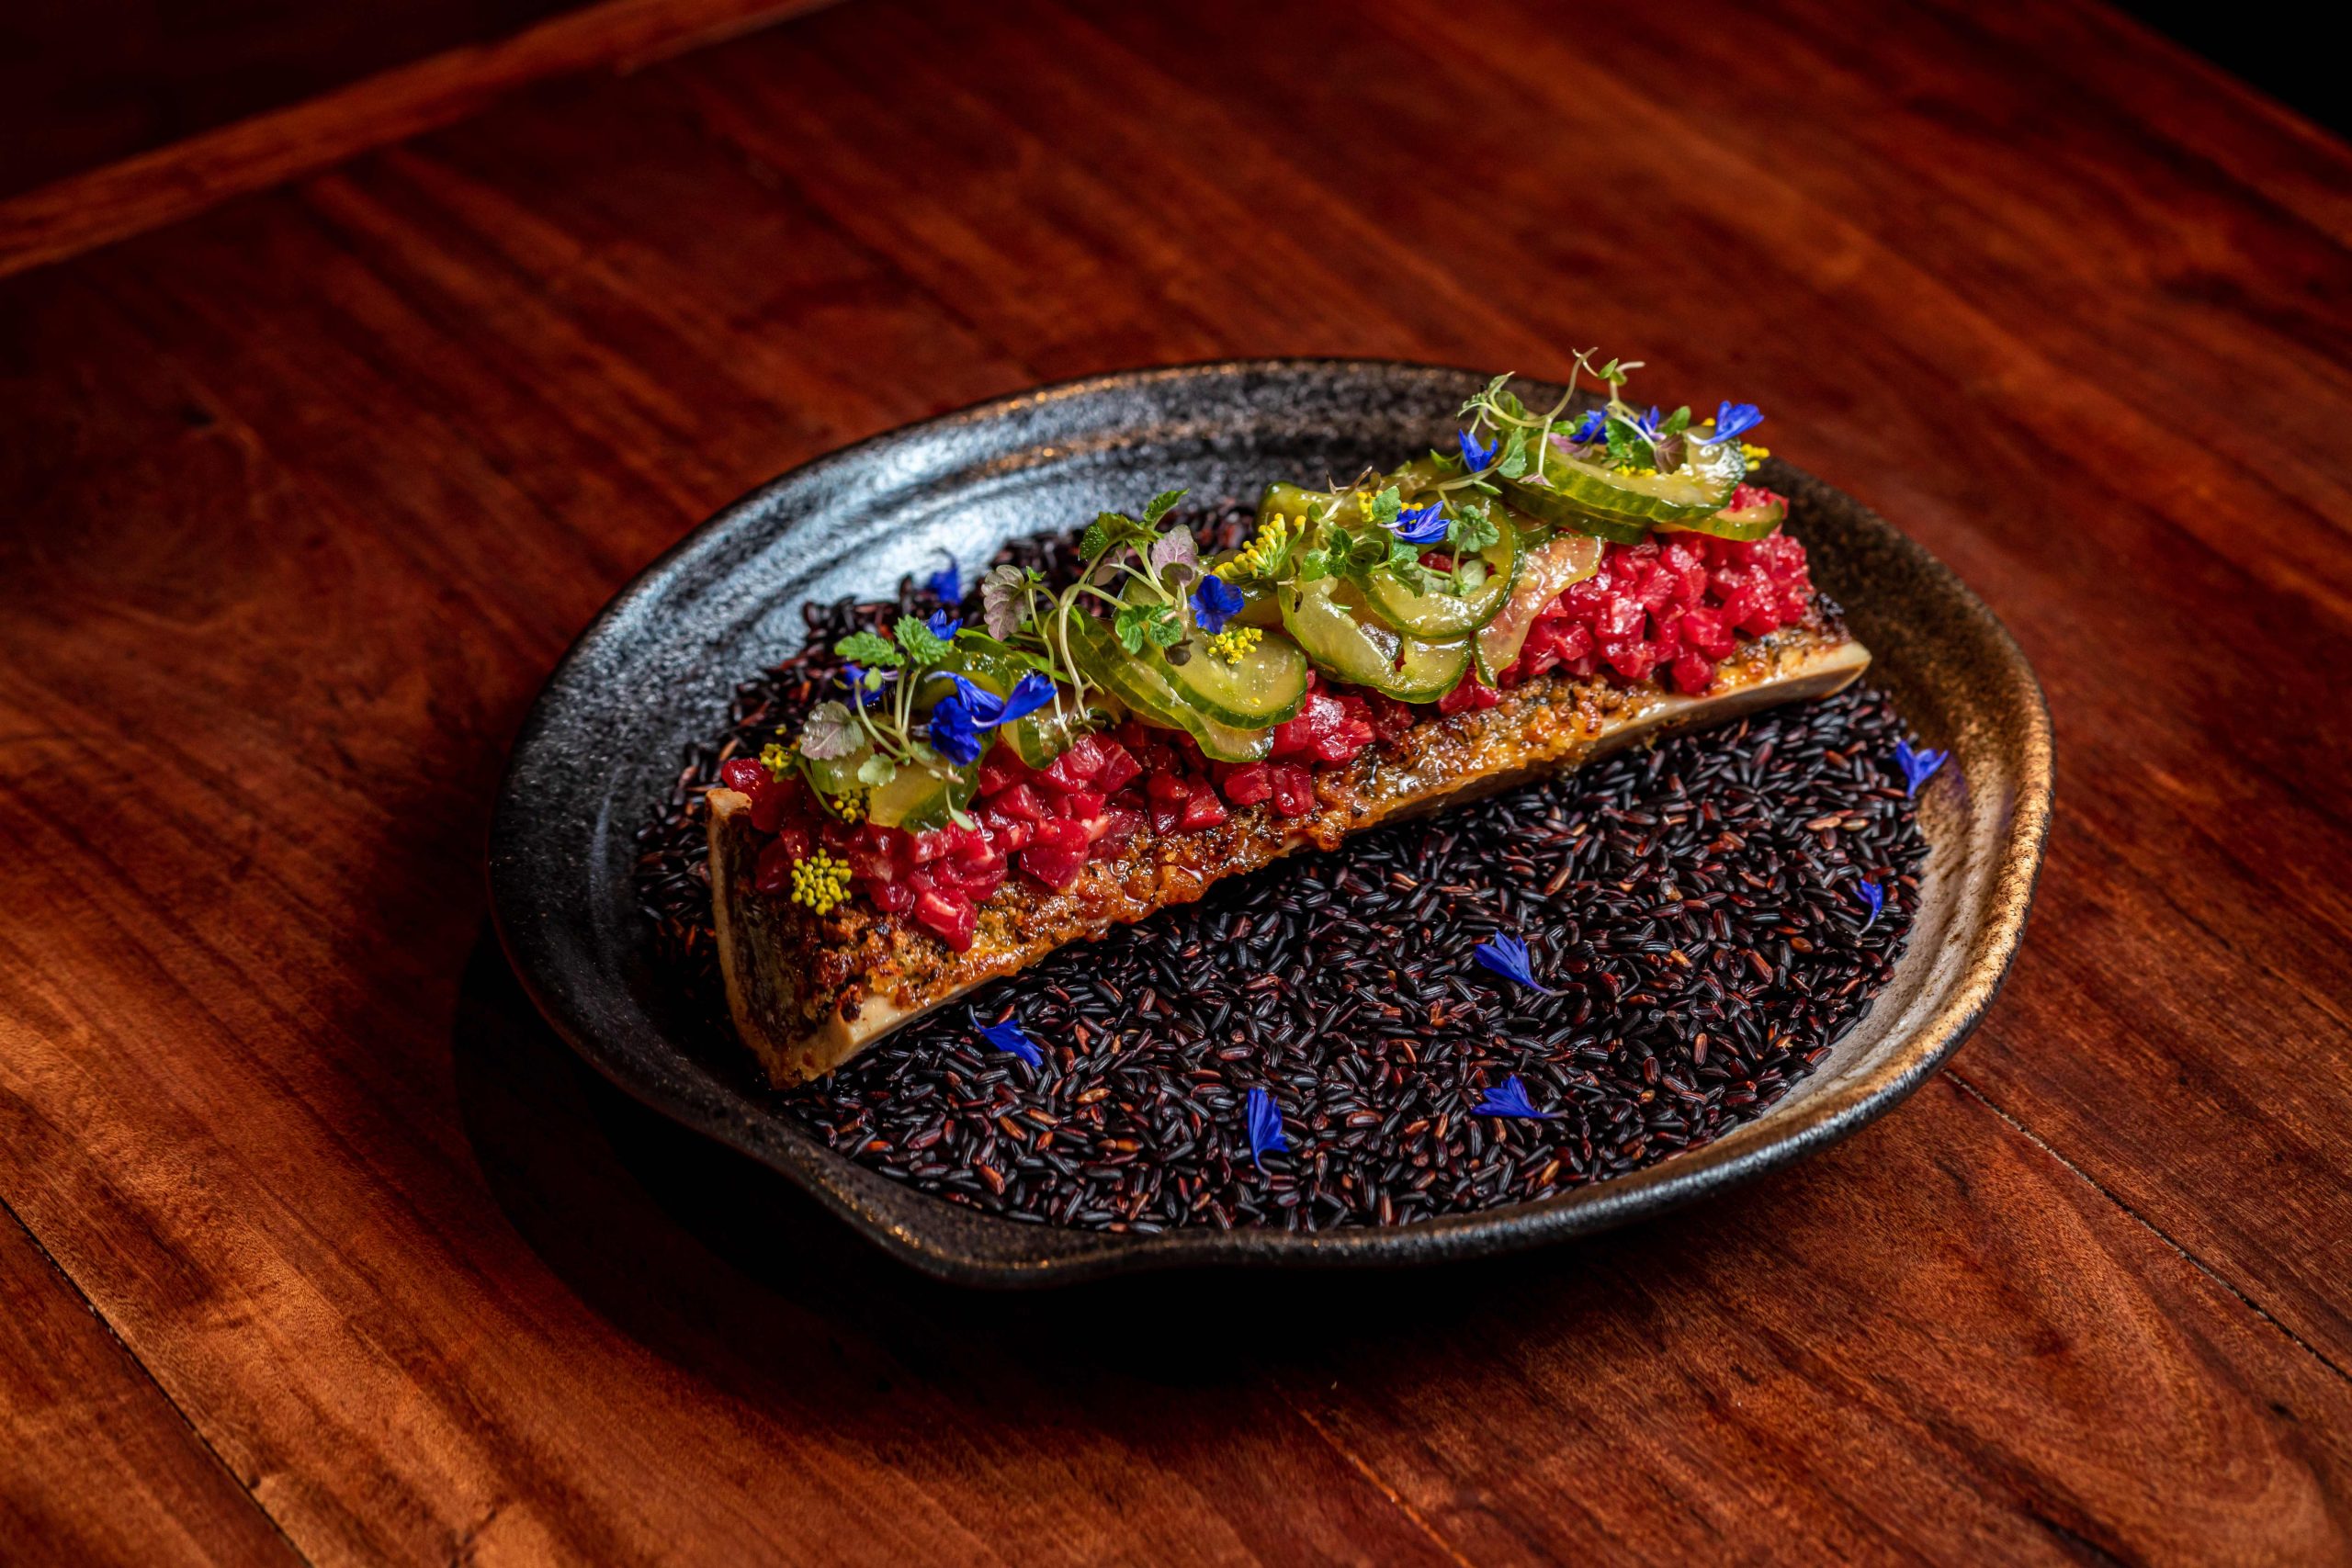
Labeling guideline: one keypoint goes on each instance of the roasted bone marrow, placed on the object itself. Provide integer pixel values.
(978, 794)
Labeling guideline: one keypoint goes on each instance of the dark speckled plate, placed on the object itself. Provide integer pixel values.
(656, 670)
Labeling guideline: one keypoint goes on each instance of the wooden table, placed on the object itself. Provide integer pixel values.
(318, 1247)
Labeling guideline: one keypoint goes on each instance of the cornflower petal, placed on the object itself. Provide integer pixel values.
(1592, 427)
(1214, 604)
(1031, 693)
(1732, 420)
(943, 625)
(1476, 457)
(1511, 1100)
(1263, 1119)
(1872, 897)
(952, 734)
(1008, 1037)
(947, 582)
(1424, 527)
(1507, 956)
(1919, 765)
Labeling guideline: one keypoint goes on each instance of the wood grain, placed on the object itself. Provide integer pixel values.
(78, 212)
(96, 1466)
(306, 494)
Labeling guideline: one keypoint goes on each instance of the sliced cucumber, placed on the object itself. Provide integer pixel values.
(1348, 642)
(918, 799)
(1621, 507)
(836, 777)
(1427, 670)
(1543, 571)
(1753, 521)
(1153, 701)
(1439, 615)
(1267, 687)
(1330, 620)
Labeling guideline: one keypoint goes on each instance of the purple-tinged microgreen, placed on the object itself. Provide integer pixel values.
(1214, 604)
(947, 582)
(1511, 1100)
(1008, 1037)
(1919, 765)
(1263, 1119)
(1872, 897)
(1507, 956)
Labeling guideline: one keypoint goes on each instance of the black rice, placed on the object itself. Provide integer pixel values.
(1694, 907)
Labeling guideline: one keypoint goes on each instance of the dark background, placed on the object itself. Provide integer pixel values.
(86, 81)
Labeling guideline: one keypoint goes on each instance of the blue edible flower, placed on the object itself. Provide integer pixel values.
(1511, 1101)
(1263, 1120)
(1474, 457)
(1648, 423)
(947, 582)
(1873, 898)
(1592, 427)
(954, 733)
(1919, 765)
(1214, 602)
(1008, 1036)
(1507, 956)
(1732, 420)
(943, 625)
(1424, 527)
(854, 677)
(956, 722)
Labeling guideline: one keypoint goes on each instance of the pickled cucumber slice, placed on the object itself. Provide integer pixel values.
(1438, 615)
(918, 799)
(1331, 621)
(1753, 521)
(1544, 572)
(1153, 701)
(1265, 687)
(1622, 507)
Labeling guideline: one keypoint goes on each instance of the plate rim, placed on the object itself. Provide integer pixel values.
(833, 1181)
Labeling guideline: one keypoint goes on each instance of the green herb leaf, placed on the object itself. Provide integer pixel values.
(876, 772)
(870, 647)
(1386, 505)
(1139, 624)
(921, 646)
(1676, 423)
(829, 732)
(1161, 505)
(1473, 531)
(1514, 461)
(1628, 447)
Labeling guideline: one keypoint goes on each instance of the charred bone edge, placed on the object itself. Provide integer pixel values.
(760, 986)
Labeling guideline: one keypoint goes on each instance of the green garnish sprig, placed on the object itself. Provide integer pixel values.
(1023, 614)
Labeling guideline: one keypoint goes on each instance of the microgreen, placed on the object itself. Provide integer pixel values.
(829, 731)
(1008, 1036)
(1872, 898)
(1511, 1100)
(1919, 765)
(921, 644)
(1004, 599)
(1507, 956)
(870, 647)
(1263, 1119)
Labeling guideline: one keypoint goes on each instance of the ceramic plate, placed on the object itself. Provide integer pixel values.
(655, 672)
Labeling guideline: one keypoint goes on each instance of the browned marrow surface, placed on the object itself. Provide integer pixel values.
(808, 992)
